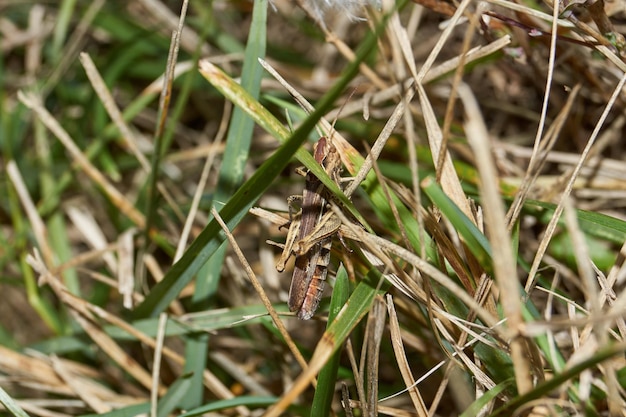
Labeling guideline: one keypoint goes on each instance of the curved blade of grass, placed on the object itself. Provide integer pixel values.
(475, 240)
(174, 395)
(236, 208)
(129, 411)
(210, 321)
(596, 224)
(239, 96)
(22, 229)
(477, 406)
(246, 401)
(10, 405)
(327, 378)
(337, 332)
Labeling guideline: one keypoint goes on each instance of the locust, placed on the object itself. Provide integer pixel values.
(309, 238)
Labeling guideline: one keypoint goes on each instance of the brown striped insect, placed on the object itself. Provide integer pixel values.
(310, 245)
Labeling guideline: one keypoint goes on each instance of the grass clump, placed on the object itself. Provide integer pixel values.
(149, 151)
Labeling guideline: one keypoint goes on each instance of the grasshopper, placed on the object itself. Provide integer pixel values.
(310, 237)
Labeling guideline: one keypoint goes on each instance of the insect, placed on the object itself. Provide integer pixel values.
(309, 238)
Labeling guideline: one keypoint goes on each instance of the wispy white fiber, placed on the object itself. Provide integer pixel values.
(349, 7)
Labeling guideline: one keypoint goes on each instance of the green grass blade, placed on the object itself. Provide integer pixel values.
(175, 394)
(476, 407)
(10, 405)
(357, 306)
(475, 240)
(129, 411)
(247, 401)
(497, 362)
(231, 173)
(596, 224)
(44, 308)
(559, 380)
(239, 96)
(61, 27)
(327, 378)
(241, 126)
(236, 208)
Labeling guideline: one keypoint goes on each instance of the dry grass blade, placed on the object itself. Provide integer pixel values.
(374, 244)
(504, 264)
(156, 368)
(483, 379)
(322, 353)
(121, 202)
(206, 169)
(163, 18)
(117, 354)
(39, 228)
(403, 363)
(449, 179)
(377, 247)
(388, 411)
(114, 158)
(538, 160)
(125, 267)
(570, 183)
(37, 370)
(347, 152)
(474, 54)
(259, 288)
(371, 358)
(80, 387)
(92, 233)
(130, 139)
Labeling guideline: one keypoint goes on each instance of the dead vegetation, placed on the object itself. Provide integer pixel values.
(481, 267)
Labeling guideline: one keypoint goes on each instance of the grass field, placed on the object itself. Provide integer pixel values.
(478, 228)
